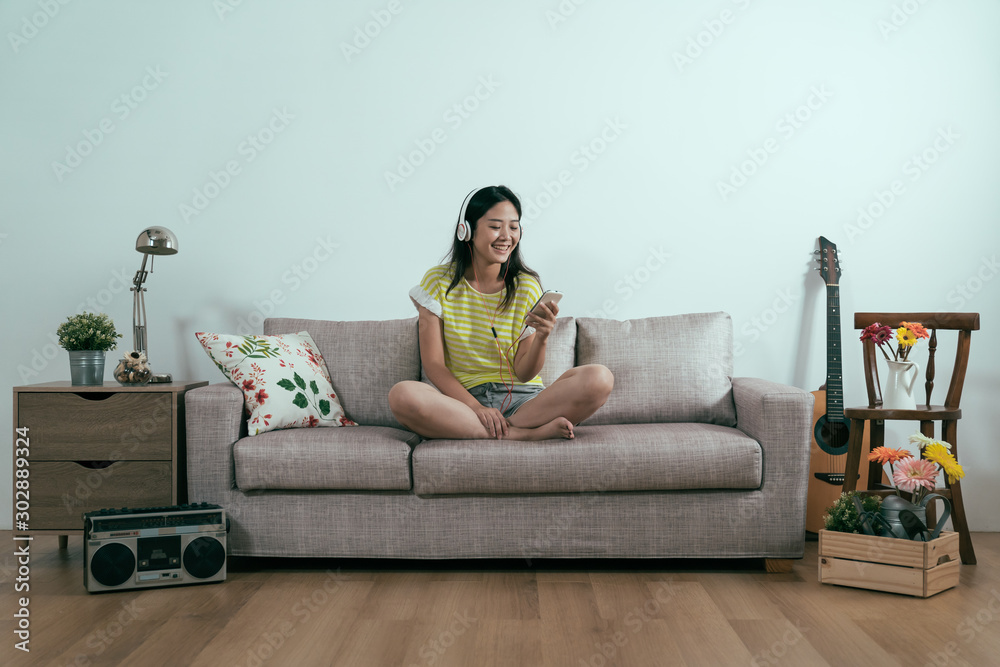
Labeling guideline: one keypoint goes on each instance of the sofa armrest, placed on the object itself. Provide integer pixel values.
(214, 422)
(779, 417)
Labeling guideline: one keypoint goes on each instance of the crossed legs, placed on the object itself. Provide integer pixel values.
(553, 413)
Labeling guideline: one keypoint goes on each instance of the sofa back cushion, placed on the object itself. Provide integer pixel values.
(560, 350)
(365, 360)
(667, 369)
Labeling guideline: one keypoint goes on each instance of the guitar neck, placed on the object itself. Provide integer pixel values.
(834, 377)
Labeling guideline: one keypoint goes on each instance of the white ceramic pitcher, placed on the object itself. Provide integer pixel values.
(897, 394)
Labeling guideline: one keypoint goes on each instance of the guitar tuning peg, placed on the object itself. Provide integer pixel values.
(816, 252)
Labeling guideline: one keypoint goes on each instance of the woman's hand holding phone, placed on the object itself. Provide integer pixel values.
(542, 316)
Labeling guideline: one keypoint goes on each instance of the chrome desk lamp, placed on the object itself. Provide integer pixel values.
(152, 241)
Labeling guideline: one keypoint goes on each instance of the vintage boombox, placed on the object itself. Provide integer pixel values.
(155, 546)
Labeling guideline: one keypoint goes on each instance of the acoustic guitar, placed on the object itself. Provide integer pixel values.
(831, 430)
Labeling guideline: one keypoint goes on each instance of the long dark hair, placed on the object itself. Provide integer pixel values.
(461, 251)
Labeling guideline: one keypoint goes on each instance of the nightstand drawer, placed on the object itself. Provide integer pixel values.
(62, 491)
(97, 425)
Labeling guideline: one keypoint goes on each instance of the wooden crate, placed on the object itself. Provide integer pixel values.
(888, 564)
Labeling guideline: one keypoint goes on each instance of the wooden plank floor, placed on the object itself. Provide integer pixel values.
(469, 613)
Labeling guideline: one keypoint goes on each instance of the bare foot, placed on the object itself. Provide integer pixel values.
(560, 427)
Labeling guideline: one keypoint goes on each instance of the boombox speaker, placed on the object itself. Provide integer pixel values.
(126, 549)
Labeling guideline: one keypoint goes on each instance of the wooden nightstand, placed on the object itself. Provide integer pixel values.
(90, 448)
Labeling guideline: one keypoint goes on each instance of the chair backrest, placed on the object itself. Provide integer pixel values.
(963, 323)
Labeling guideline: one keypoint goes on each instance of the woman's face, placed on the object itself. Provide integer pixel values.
(497, 233)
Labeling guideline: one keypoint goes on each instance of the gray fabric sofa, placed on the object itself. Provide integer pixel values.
(683, 461)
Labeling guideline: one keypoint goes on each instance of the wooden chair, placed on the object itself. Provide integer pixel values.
(948, 414)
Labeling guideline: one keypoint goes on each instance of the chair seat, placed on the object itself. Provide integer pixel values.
(922, 413)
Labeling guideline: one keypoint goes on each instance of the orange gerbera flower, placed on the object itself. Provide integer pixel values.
(917, 328)
(888, 455)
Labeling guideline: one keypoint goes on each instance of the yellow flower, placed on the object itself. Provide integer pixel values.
(905, 337)
(936, 453)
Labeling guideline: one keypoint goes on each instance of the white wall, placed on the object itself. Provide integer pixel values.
(888, 82)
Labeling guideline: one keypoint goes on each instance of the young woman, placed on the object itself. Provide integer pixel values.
(481, 345)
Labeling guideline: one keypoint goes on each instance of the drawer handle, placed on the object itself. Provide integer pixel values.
(95, 465)
(94, 395)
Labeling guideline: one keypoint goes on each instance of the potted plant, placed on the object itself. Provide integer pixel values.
(87, 337)
(842, 516)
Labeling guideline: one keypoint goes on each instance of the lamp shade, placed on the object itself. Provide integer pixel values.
(156, 241)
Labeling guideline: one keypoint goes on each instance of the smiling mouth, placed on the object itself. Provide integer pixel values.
(503, 248)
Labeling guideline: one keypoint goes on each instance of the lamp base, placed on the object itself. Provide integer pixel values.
(165, 378)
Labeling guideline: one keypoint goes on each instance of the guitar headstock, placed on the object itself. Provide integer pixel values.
(829, 265)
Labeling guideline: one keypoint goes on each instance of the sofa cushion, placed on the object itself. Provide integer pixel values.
(365, 360)
(367, 457)
(632, 457)
(667, 369)
(560, 350)
(283, 378)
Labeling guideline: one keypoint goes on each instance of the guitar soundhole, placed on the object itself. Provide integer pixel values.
(832, 437)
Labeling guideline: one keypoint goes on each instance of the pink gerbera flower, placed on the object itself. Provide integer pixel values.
(911, 474)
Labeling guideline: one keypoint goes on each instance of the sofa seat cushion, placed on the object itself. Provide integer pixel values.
(365, 457)
(633, 457)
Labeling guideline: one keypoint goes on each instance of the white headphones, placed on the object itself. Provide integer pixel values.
(464, 229)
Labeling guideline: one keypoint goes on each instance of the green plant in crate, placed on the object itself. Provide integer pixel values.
(842, 516)
(88, 331)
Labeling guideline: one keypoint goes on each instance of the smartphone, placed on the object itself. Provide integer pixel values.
(550, 296)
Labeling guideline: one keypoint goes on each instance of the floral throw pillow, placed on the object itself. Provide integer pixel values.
(284, 380)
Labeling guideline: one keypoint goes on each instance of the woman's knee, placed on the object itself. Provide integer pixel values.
(600, 380)
(402, 397)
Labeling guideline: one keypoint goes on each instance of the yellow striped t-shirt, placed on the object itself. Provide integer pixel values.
(470, 352)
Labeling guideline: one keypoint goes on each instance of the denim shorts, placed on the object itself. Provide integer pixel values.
(492, 394)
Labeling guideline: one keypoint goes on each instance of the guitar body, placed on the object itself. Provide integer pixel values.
(827, 462)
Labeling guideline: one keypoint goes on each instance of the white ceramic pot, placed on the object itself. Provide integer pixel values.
(897, 394)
